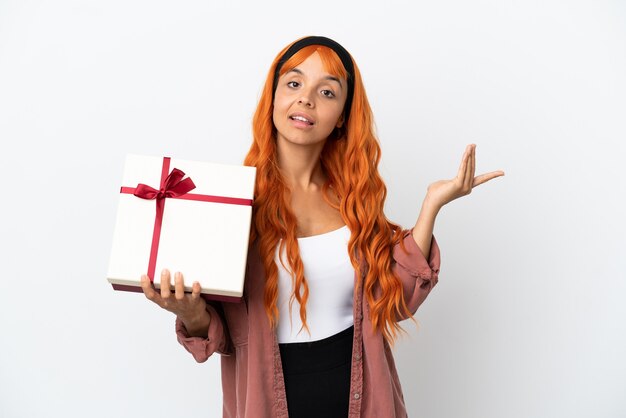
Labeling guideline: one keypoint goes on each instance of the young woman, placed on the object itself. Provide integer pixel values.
(328, 276)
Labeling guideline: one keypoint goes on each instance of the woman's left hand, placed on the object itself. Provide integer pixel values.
(443, 192)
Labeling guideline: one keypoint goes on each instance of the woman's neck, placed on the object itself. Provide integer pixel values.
(300, 165)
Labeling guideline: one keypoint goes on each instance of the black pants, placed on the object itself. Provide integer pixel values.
(317, 376)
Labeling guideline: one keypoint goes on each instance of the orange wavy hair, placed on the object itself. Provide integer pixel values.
(350, 160)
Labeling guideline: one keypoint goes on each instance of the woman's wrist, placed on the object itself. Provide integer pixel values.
(197, 326)
(430, 205)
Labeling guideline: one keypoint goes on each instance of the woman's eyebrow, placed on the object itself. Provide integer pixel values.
(328, 77)
(295, 70)
(332, 78)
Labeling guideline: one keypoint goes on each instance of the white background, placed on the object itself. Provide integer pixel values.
(528, 319)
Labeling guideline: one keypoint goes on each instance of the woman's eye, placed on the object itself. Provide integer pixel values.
(328, 93)
(293, 84)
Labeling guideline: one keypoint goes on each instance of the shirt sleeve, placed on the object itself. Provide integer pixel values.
(202, 348)
(417, 274)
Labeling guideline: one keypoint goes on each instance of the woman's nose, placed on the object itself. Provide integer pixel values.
(305, 99)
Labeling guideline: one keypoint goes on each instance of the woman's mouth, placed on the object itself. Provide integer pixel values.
(301, 119)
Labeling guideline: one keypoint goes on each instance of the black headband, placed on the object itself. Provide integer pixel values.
(341, 52)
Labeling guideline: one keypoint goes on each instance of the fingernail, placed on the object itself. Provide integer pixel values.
(164, 272)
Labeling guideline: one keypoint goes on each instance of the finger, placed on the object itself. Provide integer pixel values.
(483, 178)
(473, 172)
(469, 174)
(165, 284)
(179, 286)
(195, 291)
(148, 289)
(463, 167)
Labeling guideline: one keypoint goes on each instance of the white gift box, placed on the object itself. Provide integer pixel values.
(204, 232)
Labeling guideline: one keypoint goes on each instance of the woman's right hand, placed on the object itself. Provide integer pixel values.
(189, 308)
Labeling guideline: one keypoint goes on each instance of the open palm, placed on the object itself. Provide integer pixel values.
(443, 192)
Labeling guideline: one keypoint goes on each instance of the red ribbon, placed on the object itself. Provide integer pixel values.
(175, 187)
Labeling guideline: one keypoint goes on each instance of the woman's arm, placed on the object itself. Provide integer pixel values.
(423, 229)
(443, 192)
(417, 261)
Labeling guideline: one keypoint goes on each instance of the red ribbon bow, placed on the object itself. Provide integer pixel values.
(172, 186)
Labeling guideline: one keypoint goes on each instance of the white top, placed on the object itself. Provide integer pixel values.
(330, 277)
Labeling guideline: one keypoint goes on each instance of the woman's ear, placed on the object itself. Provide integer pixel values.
(340, 122)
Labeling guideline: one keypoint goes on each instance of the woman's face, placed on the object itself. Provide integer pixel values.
(308, 103)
